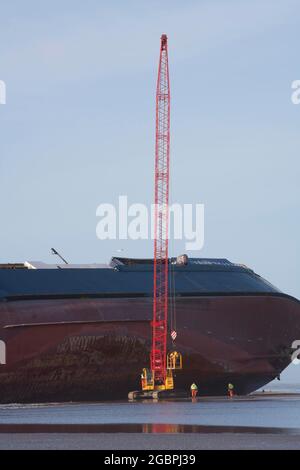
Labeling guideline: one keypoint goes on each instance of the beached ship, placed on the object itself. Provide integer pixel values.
(83, 332)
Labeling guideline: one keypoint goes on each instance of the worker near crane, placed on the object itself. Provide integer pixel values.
(230, 389)
(194, 390)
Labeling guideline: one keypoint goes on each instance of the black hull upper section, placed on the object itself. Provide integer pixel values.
(117, 280)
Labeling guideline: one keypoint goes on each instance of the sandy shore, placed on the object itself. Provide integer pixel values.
(145, 436)
(261, 421)
(129, 441)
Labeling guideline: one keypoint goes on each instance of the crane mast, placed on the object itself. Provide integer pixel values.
(159, 377)
(161, 222)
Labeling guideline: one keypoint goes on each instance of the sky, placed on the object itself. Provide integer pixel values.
(78, 126)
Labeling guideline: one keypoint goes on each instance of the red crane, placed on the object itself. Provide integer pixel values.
(160, 377)
(161, 221)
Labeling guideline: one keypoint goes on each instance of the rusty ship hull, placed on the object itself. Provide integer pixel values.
(91, 346)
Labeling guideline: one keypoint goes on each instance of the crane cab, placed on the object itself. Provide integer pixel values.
(174, 360)
(147, 379)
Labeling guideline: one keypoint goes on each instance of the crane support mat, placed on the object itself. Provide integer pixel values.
(157, 394)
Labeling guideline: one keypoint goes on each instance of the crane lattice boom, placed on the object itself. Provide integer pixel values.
(161, 227)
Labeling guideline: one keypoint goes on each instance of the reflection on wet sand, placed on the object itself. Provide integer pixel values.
(150, 428)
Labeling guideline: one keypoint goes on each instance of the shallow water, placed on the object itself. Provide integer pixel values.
(281, 387)
(262, 411)
(259, 421)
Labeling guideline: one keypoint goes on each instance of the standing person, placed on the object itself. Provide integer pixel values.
(194, 390)
(230, 389)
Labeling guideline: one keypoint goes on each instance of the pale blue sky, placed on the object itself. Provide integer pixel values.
(78, 126)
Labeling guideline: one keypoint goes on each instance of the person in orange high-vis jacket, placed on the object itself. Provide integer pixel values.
(194, 390)
(230, 389)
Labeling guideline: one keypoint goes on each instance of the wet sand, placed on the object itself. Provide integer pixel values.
(134, 441)
(145, 436)
(261, 421)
